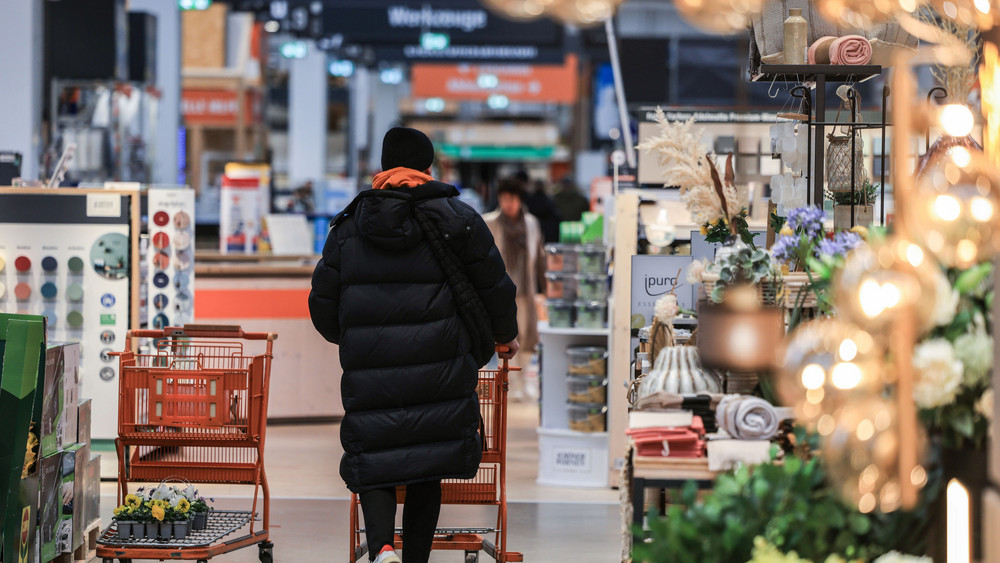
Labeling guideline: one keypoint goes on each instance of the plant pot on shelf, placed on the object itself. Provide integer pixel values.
(200, 521)
(125, 529)
(145, 530)
(165, 530)
(181, 529)
(864, 215)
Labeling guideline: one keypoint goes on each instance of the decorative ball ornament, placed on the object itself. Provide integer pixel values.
(863, 14)
(719, 16)
(882, 283)
(826, 364)
(861, 449)
(954, 208)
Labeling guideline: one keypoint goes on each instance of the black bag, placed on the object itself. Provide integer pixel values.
(470, 306)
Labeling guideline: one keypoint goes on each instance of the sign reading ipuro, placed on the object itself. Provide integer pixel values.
(654, 276)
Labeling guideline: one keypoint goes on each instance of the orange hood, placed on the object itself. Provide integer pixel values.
(400, 177)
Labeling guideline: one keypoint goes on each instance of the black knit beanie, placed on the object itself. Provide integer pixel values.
(408, 148)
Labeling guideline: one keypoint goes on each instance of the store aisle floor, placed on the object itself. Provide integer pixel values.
(309, 508)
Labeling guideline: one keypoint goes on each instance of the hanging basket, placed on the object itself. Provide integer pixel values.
(839, 160)
(792, 293)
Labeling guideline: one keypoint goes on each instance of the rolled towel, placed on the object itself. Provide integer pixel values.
(819, 51)
(747, 418)
(851, 50)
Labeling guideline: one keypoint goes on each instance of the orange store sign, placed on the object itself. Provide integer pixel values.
(216, 107)
(535, 83)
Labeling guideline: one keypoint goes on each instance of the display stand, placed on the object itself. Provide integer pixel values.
(567, 457)
(72, 255)
(816, 77)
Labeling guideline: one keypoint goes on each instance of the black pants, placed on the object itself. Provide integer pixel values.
(420, 516)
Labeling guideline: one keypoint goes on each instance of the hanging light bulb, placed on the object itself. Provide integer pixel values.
(861, 449)
(719, 16)
(879, 282)
(954, 207)
(522, 10)
(826, 364)
(582, 13)
(863, 14)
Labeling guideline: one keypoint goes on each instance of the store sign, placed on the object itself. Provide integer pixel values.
(654, 276)
(382, 22)
(216, 107)
(572, 459)
(535, 83)
(700, 116)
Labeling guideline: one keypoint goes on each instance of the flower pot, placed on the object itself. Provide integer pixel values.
(125, 529)
(200, 521)
(144, 530)
(166, 529)
(864, 215)
(181, 529)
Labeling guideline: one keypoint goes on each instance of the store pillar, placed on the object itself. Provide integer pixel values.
(21, 70)
(165, 169)
(307, 121)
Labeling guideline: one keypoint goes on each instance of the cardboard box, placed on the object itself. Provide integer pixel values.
(92, 492)
(21, 519)
(83, 419)
(50, 506)
(61, 396)
(72, 524)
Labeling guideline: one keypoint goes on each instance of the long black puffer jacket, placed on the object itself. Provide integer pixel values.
(409, 384)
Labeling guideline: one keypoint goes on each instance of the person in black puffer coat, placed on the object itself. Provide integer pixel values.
(410, 374)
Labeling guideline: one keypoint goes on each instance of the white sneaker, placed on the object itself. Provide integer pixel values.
(388, 557)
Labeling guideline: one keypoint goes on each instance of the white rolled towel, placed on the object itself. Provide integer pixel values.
(747, 418)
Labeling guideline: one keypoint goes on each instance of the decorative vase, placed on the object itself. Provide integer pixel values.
(125, 530)
(181, 529)
(200, 521)
(864, 215)
(970, 467)
(796, 30)
(166, 529)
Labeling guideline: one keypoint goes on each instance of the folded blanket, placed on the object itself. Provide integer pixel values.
(723, 455)
(850, 50)
(747, 418)
(819, 51)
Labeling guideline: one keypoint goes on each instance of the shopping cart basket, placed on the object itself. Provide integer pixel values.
(194, 408)
(488, 487)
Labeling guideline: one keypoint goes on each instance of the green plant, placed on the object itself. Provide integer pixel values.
(867, 194)
(790, 505)
(744, 266)
(719, 231)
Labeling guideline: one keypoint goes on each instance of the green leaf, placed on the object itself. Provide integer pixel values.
(971, 278)
(859, 523)
(819, 268)
(963, 423)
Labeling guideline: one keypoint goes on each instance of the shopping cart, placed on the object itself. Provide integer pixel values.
(488, 487)
(194, 408)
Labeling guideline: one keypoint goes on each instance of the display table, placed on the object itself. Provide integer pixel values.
(270, 293)
(665, 473)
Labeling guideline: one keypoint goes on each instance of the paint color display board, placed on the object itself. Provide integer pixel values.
(654, 276)
(69, 255)
(170, 258)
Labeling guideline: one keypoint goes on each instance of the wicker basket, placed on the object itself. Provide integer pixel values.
(839, 161)
(794, 287)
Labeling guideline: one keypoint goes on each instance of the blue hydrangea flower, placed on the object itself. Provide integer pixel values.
(784, 249)
(841, 243)
(808, 220)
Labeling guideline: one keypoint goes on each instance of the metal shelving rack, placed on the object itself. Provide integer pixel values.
(816, 77)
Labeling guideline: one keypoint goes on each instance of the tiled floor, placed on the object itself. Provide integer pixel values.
(309, 508)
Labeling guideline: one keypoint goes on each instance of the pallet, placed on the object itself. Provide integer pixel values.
(88, 550)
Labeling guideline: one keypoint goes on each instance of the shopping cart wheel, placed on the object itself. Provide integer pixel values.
(266, 552)
(471, 557)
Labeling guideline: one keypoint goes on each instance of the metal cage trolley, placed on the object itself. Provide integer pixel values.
(488, 487)
(195, 409)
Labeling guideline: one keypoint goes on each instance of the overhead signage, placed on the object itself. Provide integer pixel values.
(709, 116)
(476, 53)
(217, 107)
(536, 83)
(402, 22)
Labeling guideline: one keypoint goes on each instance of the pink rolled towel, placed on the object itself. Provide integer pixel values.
(851, 50)
(819, 52)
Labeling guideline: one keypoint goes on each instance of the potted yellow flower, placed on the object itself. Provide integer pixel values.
(164, 527)
(181, 514)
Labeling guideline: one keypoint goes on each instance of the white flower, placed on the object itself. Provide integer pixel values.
(939, 373)
(984, 405)
(975, 349)
(696, 271)
(666, 308)
(945, 301)
(897, 557)
(189, 493)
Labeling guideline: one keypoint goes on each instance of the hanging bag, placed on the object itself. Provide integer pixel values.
(839, 157)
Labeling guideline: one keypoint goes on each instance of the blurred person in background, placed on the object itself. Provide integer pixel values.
(544, 209)
(519, 238)
(569, 201)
